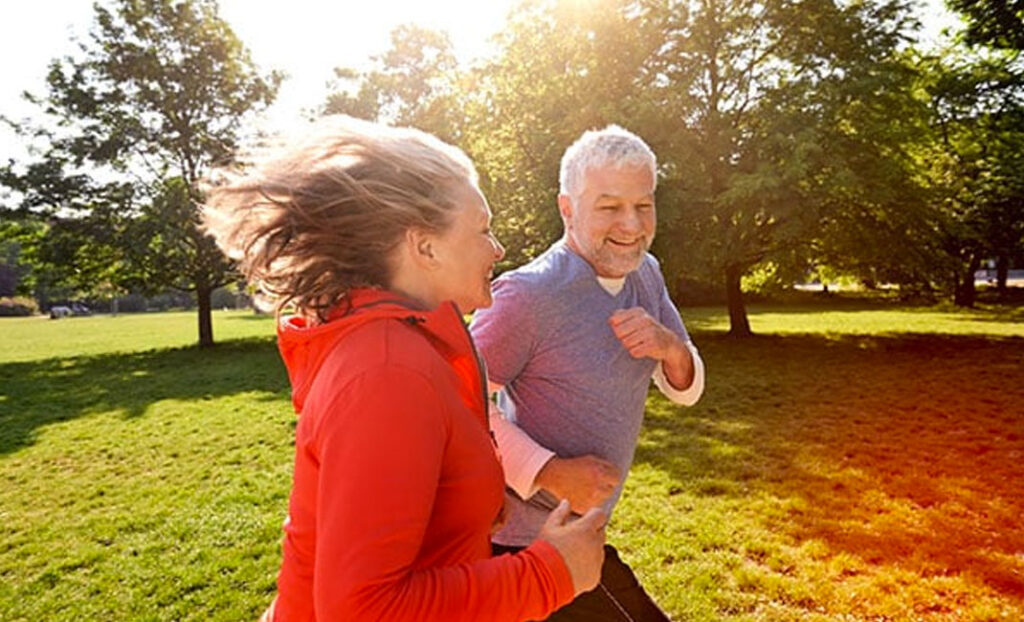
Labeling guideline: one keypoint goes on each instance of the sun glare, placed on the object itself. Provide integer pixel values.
(307, 39)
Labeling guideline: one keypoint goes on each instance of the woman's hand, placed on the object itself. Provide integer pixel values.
(580, 542)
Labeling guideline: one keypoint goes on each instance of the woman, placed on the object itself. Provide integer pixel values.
(379, 239)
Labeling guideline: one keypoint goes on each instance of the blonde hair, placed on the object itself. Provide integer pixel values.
(320, 215)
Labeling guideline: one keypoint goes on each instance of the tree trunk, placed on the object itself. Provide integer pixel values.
(1002, 272)
(965, 293)
(203, 292)
(739, 326)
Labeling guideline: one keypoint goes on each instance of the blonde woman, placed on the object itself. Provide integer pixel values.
(380, 241)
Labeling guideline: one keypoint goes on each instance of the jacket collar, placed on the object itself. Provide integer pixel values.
(304, 345)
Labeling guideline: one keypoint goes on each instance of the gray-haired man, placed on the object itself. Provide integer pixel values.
(571, 344)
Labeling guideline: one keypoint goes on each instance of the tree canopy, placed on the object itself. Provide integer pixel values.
(996, 23)
(793, 136)
(156, 96)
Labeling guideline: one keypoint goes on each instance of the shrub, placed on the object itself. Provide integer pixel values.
(18, 307)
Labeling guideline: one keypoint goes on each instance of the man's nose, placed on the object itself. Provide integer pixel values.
(630, 220)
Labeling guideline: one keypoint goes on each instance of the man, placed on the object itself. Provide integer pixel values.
(571, 344)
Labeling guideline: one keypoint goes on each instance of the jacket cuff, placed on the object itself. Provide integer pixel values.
(551, 559)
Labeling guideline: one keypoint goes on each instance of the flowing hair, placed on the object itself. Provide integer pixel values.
(321, 214)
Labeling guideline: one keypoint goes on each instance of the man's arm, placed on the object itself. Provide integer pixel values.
(680, 365)
(683, 395)
(521, 456)
(585, 481)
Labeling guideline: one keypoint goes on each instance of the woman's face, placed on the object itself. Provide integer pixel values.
(466, 252)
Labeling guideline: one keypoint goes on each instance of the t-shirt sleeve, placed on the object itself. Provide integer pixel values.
(378, 477)
(505, 333)
(669, 317)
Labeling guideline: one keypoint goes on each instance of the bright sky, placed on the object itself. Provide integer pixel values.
(305, 38)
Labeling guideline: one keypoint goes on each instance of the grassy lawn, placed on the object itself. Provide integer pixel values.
(846, 464)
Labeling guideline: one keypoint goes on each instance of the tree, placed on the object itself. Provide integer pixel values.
(772, 121)
(154, 99)
(414, 83)
(786, 111)
(976, 162)
(996, 23)
(562, 68)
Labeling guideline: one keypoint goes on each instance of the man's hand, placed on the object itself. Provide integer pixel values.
(586, 482)
(644, 336)
(579, 542)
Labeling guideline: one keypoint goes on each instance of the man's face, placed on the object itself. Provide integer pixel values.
(611, 223)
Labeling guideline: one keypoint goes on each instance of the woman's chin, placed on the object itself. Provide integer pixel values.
(469, 305)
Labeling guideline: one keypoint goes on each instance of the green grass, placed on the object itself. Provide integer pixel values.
(847, 465)
(34, 338)
(860, 317)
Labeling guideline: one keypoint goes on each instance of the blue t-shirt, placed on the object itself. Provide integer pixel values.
(569, 383)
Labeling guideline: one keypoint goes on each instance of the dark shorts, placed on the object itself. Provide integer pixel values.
(618, 598)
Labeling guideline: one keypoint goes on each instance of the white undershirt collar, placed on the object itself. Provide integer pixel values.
(612, 285)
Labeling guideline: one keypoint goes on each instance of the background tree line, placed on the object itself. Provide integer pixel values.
(793, 136)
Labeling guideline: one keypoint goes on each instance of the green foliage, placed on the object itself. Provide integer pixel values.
(773, 123)
(156, 97)
(774, 140)
(997, 23)
(413, 84)
(562, 68)
(974, 161)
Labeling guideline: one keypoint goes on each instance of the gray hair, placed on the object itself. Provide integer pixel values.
(612, 146)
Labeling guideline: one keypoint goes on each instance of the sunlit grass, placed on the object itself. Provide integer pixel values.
(854, 474)
(33, 338)
(146, 486)
(837, 477)
(865, 319)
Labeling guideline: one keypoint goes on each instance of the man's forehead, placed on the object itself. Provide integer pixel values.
(617, 181)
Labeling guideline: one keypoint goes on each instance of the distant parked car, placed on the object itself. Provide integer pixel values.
(76, 308)
(59, 312)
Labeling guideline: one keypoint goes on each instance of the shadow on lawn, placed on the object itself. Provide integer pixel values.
(37, 393)
(905, 451)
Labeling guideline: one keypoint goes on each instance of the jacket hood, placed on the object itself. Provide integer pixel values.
(305, 345)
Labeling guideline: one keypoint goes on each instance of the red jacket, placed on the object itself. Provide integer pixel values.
(397, 485)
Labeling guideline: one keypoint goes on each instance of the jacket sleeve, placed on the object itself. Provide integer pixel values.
(379, 472)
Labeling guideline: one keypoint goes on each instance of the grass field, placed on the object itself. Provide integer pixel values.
(846, 464)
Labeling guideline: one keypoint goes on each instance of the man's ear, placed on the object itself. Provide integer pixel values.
(565, 209)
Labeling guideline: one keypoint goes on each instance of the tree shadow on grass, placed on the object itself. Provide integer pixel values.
(38, 393)
(903, 451)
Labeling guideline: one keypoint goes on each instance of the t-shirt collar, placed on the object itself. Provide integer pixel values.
(612, 285)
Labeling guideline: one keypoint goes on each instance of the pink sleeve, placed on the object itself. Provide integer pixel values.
(379, 472)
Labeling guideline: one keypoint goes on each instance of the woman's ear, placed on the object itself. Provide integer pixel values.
(420, 246)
